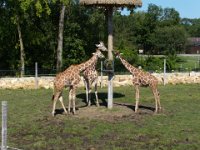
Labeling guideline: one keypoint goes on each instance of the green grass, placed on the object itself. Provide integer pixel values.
(30, 125)
(188, 63)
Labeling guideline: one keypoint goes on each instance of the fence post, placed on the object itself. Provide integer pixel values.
(36, 75)
(4, 126)
(164, 78)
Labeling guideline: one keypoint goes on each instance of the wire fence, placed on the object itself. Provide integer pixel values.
(29, 72)
(119, 69)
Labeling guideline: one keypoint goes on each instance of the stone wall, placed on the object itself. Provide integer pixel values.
(119, 80)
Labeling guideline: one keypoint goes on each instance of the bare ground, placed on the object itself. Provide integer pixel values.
(119, 112)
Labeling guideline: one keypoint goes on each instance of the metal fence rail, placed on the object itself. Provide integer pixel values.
(31, 72)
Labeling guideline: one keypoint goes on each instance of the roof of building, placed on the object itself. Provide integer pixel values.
(117, 3)
(194, 41)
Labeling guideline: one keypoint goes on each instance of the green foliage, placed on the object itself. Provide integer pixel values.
(157, 31)
(153, 64)
(192, 26)
(73, 51)
(131, 55)
(170, 39)
(171, 62)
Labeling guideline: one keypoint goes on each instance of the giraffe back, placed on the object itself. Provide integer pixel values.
(69, 77)
(144, 78)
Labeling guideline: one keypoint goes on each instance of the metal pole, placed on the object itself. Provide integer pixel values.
(110, 91)
(110, 55)
(4, 126)
(164, 78)
(110, 87)
(36, 75)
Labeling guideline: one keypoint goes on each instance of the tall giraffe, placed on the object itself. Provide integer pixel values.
(90, 76)
(71, 78)
(141, 78)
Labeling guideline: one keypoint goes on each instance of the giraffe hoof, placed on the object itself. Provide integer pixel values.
(65, 113)
(156, 112)
(97, 104)
(53, 114)
(74, 113)
(161, 109)
(136, 111)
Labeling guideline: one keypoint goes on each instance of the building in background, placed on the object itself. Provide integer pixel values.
(193, 45)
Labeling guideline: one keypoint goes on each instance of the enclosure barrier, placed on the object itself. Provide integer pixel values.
(4, 126)
(4, 146)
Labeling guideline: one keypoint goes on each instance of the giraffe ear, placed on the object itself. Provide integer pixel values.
(99, 45)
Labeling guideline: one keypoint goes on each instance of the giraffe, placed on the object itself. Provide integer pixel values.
(141, 78)
(71, 78)
(90, 76)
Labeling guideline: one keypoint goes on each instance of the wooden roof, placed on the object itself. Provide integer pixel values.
(117, 3)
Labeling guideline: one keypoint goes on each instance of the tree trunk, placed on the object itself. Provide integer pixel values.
(22, 53)
(60, 38)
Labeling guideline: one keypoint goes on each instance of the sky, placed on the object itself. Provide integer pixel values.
(186, 8)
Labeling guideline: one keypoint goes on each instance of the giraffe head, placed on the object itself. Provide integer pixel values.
(101, 46)
(117, 54)
(98, 54)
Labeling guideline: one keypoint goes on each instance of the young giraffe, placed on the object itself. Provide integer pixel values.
(70, 78)
(90, 76)
(141, 78)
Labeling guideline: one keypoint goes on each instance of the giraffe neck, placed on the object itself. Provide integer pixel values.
(91, 62)
(128, 66)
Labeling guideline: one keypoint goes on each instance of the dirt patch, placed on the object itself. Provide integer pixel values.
(120, 111)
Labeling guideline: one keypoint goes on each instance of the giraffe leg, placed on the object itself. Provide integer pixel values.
(86, 91)
(137, 97)
(154, 90)
(89, 95)
(96, 95)
(56, 96)
(61, 101)
(73, 100)
(70, 99)
(158, 100)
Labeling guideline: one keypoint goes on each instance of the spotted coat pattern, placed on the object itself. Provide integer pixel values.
(142, 78)
(71, 78)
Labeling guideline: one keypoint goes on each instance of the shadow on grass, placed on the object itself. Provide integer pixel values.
(133, 107)
(102, 98)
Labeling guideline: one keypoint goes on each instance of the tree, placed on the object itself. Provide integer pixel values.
(17, 18)
(170, 39)
(170, 17)
(151, 22)
(60, 38)
(192, 26)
